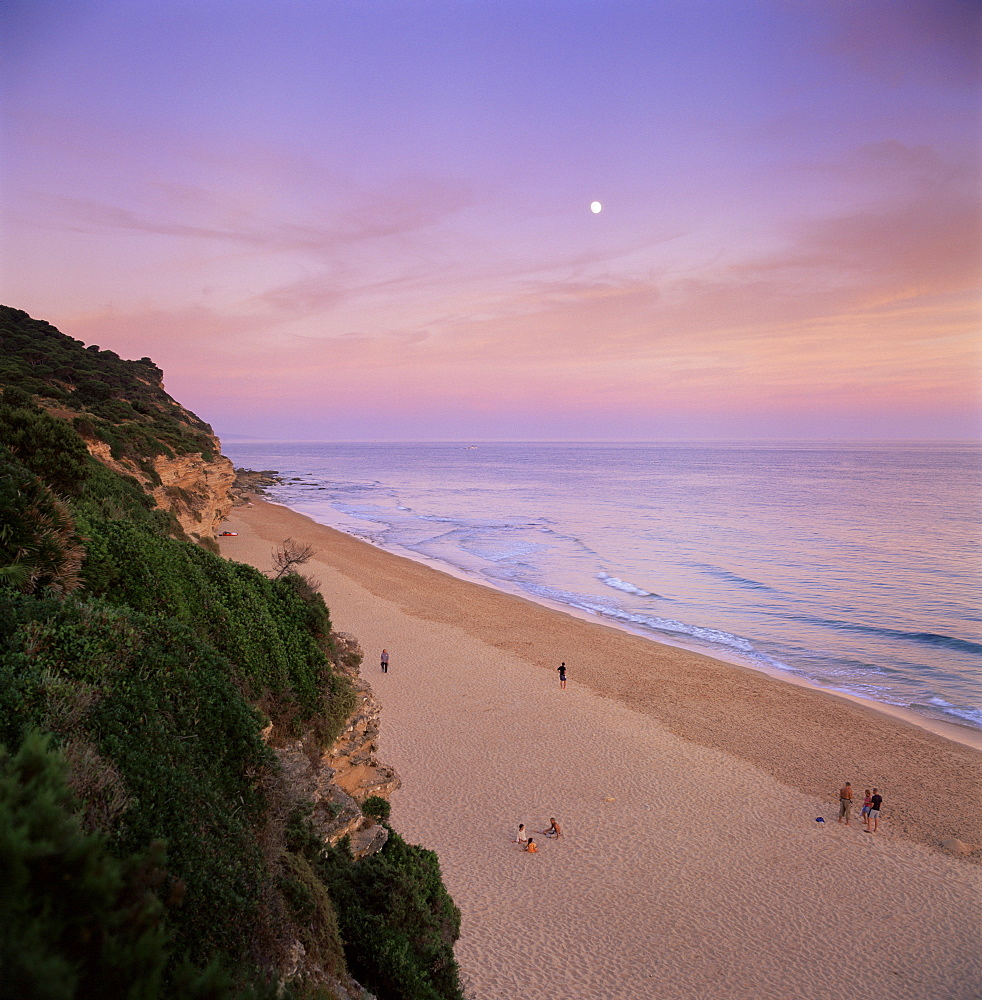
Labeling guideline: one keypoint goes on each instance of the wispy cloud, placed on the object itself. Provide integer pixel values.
(407, 206)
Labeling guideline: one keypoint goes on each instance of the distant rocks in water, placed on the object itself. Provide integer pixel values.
(249, 481)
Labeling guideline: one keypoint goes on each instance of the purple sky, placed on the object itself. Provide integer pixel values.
(371, 220)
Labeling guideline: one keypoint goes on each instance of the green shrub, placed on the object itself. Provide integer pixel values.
(49, 447)
(314, 915)
(397, 920)
(184, 742)
(108, 496)
(263, 627)
(317, 619)
(377, 808)
(13, 396)
(76, 922)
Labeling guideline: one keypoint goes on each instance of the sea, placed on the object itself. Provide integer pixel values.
(855, 567)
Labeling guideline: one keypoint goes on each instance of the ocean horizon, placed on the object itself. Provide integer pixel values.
(851, 565)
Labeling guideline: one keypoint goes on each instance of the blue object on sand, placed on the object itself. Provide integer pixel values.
(819, 819)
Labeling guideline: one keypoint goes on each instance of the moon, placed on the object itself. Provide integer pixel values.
(595, 207)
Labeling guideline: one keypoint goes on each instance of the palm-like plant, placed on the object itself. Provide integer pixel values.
(40, 549)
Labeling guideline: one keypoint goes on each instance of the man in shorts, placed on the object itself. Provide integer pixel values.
(845, 802)
(874, 812)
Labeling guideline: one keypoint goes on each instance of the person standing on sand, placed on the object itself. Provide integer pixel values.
(867, 805)
(874, 812)
(562, 675)
(385, 661)
(845, 802)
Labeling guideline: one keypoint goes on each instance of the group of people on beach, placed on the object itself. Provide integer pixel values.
(527, 843)
(872, 804)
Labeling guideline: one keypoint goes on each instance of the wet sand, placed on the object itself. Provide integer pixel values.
(691, 863)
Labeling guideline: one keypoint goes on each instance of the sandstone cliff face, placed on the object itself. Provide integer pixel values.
(197, 491)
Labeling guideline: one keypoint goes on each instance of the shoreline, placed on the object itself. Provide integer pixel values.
(962, 733)
(741, 710)
(691, 862)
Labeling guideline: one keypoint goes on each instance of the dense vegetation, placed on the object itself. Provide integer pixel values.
(144, 846)
(120, 402)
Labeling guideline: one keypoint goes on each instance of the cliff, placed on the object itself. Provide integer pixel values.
(124, 415)
(137, 674)
(196, 490)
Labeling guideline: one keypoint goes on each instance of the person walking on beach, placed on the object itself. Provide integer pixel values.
(562, 675)
(874, 812)
(845, 802)
(385, 661)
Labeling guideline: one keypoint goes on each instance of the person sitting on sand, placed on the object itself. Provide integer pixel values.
(530, 847)
(523, 836)
(554, 830)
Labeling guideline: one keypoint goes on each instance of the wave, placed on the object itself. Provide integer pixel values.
(972, 715)
(654, 623)
(627, 588)
(573, 540)
(725, 574)
(935, 639)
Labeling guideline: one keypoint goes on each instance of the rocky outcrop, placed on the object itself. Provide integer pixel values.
(353, 757)
(196, 489)
(338, 780)
(248, 481)
(299, 967)
(330, 987)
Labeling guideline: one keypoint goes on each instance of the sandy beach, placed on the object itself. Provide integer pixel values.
(691, 863)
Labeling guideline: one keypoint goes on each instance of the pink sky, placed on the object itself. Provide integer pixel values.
(343, 221)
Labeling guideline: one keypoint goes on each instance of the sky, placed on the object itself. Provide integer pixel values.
(370, 219)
